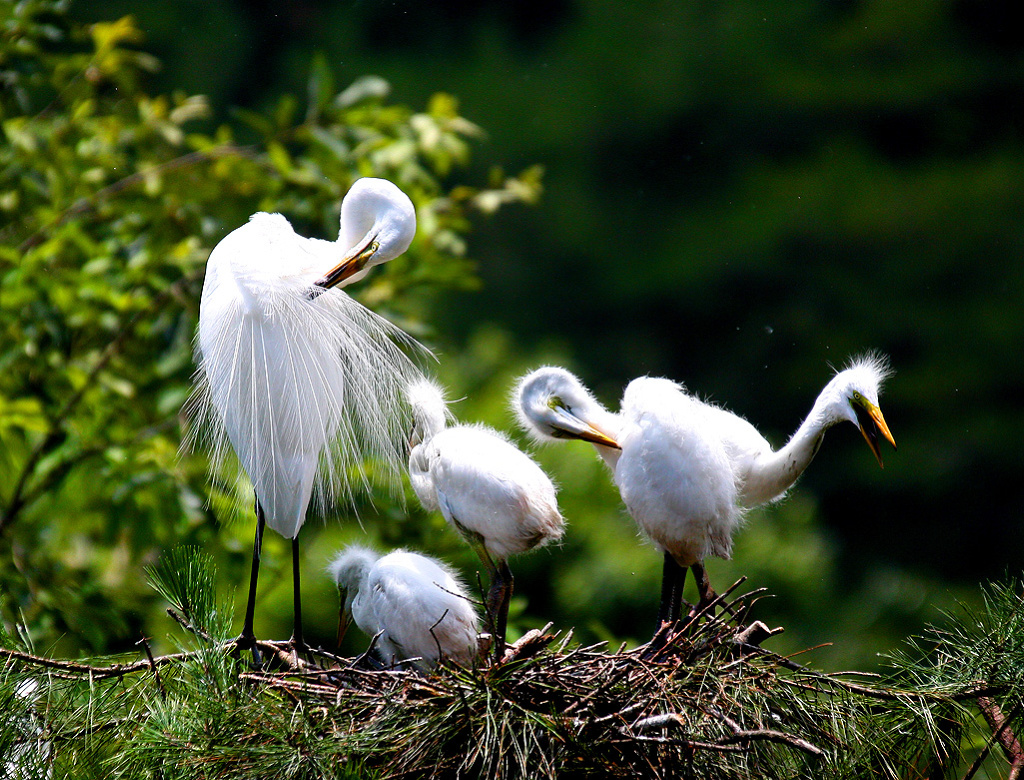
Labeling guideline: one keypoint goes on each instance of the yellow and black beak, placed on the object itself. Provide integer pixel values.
(349, 266)
(568, 426)
(344, 618)
(872, 424)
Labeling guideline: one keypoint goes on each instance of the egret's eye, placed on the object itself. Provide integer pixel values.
(554, 402)
(857, 396)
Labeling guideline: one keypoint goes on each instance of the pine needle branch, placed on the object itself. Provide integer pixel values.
(705, 700)
(76, 669)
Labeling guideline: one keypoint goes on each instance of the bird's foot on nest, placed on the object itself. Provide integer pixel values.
(320, 652)
(246, 641)
(706, 607)
(298, 647)
(700, 609)
(664, 638)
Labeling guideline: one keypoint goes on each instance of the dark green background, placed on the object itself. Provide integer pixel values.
(737, 195)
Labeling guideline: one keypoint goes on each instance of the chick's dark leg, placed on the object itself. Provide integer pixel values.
(705, 591)
(673, 577)
(497, 606)
(496, 601)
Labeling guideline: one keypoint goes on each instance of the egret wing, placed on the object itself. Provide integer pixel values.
(493, 489)
(299, 384)
(419, 616)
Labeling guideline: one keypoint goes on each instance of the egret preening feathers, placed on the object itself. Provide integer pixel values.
(496, 496)
(686, 468)
(303, 382)
(416, 604)
(671, 469)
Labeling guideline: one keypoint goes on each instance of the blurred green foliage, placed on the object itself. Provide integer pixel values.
(735, 196)
(111, 202)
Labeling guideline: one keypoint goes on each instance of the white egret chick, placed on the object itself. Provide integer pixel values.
(303, 382)
(552, 403)
(416, 604)
(494, 495)
(672, 471)
(850, 396)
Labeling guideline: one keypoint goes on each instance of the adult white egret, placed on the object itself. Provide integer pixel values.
(303, 382)
(686, 468)
(415, 603)
(495, 495)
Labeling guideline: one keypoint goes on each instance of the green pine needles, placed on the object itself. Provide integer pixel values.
(708, 701)
(186, 577)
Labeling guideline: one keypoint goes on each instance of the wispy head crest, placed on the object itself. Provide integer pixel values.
(874, 366)
(429, 407)
(349, 566)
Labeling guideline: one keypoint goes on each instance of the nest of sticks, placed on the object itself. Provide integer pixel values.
(702, 699)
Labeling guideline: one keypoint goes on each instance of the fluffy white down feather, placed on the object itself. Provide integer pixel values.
(416, 603)
(687, 469)
(479, 480)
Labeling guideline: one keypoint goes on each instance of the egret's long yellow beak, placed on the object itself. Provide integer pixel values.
(872, 423)
(349, 266)
(569, 426)
(344, 620)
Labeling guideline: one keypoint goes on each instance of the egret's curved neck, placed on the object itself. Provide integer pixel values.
(772, 474)
(420, 478)
(609, 455)
(426, 424)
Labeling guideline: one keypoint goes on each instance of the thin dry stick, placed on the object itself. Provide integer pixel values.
(739, 734)
(367, 654)
(1001, 731)
(75, 669)
(152, 663)
(181, 621)
(437, 642)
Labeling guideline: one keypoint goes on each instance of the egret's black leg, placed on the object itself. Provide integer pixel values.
(498, 598)
(496, 602)
(248, 637)
(704, 589)
(673, 577)
(297, 641)
(678, 581)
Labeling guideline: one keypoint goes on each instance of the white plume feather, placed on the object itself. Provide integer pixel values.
(304, 384)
